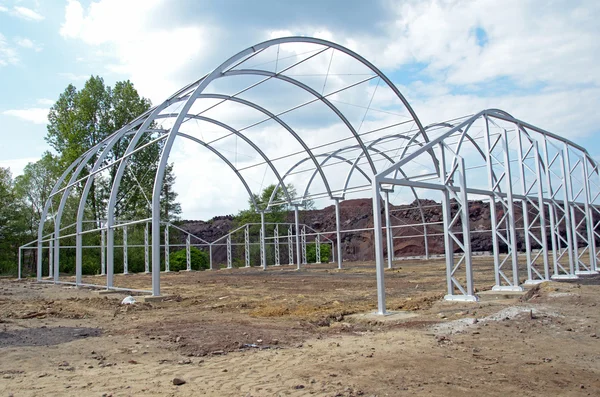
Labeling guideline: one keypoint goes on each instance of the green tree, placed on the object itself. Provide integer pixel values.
(33, 188)
(12, 223)
(81, 119)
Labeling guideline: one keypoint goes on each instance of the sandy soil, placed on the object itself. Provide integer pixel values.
(247, 332)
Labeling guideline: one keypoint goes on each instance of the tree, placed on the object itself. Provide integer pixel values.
(12, 224)
(81, 119)
(33, 188)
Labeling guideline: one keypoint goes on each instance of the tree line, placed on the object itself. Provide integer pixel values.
(79, 120)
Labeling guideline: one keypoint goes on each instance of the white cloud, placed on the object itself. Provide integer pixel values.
(136, 47)
(8, 56)
(34, 115)
(28, 43)
(46, 101)
(3, 9)
(74, 77)
(17, 165)
(27, 14)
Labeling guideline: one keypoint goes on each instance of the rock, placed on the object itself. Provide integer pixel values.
(63, 364)
(178, 381)
(298, 387)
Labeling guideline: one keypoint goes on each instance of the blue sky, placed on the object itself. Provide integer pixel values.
(535, 59)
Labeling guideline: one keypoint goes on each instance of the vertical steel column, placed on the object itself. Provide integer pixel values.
(318, 248)
(247, 245)
(146, 251)
(276, 244)
(19, 269)
(388, 229)
(263, 252)
(297, 220)
(110, 252)
(229, 265)
(125, 258)
(534, 276)
(188, 254)
(210, 260)
(290, 245)
(103, 252)
(564, 158)
(493, 182)
(303, 244)
(78, 253)
(51, 257)
(541, 211)
(56, 254)
(425, 241)
(466, 229)
(590, 217)
(511, 232)
(167, 250)
(338, 234)
(377, 230)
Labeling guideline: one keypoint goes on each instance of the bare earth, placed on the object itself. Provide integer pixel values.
(247, 332)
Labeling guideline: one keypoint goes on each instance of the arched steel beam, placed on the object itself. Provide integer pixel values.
(288, 172)
(45, 214)
(244, 138)
(225, 160)
(255, 72)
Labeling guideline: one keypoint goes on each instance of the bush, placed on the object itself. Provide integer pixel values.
(311, 254)
(178, 260)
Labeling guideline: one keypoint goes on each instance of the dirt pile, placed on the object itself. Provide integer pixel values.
(357, 244)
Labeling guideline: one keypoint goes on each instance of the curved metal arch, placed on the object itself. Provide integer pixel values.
(244, 138)
(258, 72)
(225, 160)
(307, 159)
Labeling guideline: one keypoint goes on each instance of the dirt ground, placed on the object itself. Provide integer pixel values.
(281, 332)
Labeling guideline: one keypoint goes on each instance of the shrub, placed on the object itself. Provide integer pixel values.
(178, 260)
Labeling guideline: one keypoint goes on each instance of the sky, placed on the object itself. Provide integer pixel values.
(536, 59)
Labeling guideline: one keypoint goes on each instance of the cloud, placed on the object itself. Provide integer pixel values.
(17, 165)
(28, 43)
(136, 47)
(8, 56)
(27, 14)
(46, 101)
(74, 77)
(34, 115)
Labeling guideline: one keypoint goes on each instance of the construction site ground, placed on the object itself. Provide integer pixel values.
(283, 332)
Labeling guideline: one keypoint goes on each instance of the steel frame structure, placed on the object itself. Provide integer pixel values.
(548, 186)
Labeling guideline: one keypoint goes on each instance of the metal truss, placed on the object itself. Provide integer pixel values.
(537, 184)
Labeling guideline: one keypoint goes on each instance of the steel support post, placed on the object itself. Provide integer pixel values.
(338, 234)
(425, 241)
(56, 255)
(78, 253)
(388, 230)
(586, 235)
(559, 215)
(125, 258)
(110, 253)
(318, 248)
(276, 244)
(229, 264)
(590, 216)
(303, 236)
(247, 245)
(297, 221)
(263, 252)
(188, 254)
(20, 264)
(146, 250)
(103, 252)
(51, 257)
(378, 247)
(530, 180)
(167, 250)
(290, 245)
(210, 259)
